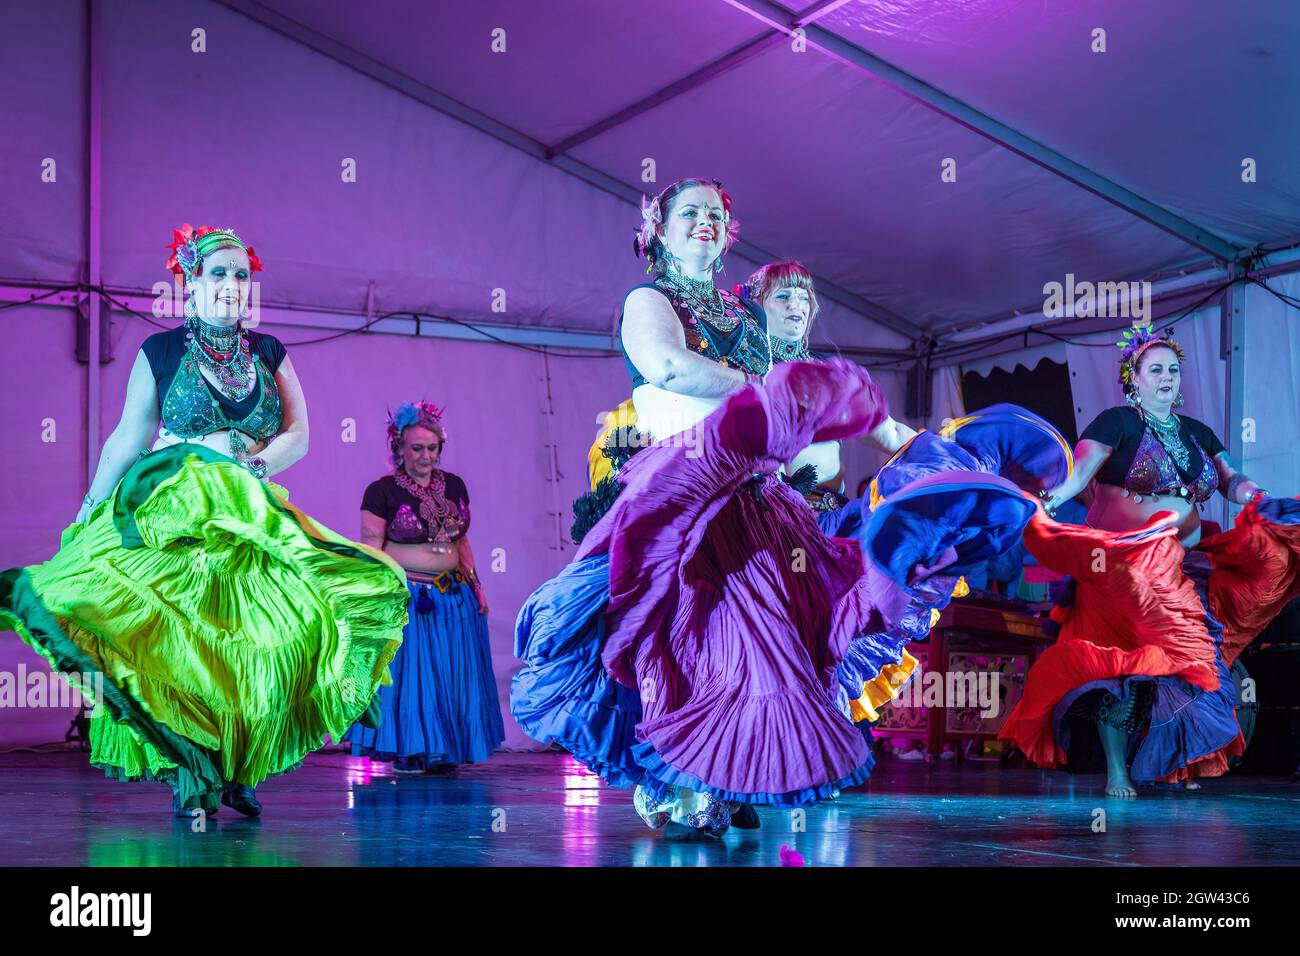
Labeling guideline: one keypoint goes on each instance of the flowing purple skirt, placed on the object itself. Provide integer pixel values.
(729, 608)
(730, 618)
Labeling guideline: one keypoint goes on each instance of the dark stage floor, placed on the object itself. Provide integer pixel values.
(340, 810)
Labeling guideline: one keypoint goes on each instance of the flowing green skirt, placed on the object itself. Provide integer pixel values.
(227, 631)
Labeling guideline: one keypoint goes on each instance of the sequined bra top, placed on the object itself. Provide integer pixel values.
(189, 404)
(437, 512)
(737, 339)
(1154, 472)
(1142, 465)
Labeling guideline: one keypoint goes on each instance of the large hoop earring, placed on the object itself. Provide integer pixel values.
(1134, 399)
(1178, 402)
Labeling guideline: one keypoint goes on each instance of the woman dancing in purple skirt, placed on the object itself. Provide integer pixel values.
(691, 649)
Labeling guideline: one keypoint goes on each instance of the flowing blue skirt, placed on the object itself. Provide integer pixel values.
(563, 694)
(843, 522)
(442, 707)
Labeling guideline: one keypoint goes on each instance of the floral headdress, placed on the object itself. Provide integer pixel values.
(1135, 343)
(647, 242)
(190, 245)
(424, 414)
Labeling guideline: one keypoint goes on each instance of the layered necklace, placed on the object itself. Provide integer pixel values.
(435, 510)
(223, 351)
(703, 300)
(784, 350)
(1167, 434)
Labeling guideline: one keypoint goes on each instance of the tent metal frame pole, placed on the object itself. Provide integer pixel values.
(331, 319)
(1200, 275)
(1172, 287)
(748, 50)
(1232, 349)
(94, 211)
(723, 64)
(833, 45)
(349, 57)
(1162, 307)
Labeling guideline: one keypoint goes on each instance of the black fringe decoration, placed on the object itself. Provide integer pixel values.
(620, 445)
(591, 507)
(804, 480)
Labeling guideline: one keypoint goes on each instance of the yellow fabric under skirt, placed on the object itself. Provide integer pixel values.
(600, 467)
(882, 688)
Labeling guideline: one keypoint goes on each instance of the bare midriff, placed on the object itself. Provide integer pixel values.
(423, 557)
(218, 441)
(1113, 511)
(825, 457)
(662, 414)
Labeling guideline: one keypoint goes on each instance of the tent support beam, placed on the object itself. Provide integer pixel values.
(1202, 275)
(94, 228)
(833, 45)
(1016, 340)
(418, 91)
(330, 319)
(1232, 349)
(723, 64)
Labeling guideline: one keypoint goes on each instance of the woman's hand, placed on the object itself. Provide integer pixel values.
(482, 598)
(83, 514)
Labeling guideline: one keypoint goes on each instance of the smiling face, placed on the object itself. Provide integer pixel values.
(220, 291)
(421, 449)
(695, 226)
(1159, 374)
(788, 311)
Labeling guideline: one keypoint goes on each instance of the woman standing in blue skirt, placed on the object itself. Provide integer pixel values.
(442, 708)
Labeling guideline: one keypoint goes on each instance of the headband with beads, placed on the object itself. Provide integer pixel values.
(189, 246)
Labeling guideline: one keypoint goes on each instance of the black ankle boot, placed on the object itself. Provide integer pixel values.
(241, 799)
(744, 817)
(680, 833)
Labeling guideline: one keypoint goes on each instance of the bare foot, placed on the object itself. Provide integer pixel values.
(1120, 786)
(1192, 785)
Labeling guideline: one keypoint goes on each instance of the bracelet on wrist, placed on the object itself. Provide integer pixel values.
(88, 501)
(256, 467)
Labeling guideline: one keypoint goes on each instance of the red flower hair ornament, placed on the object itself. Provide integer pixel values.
(189, 246)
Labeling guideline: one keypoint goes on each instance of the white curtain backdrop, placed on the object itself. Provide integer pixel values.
(945, 396)
(1273, 387)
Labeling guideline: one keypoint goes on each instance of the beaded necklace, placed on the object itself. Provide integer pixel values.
(703, 300)
(784, 350)
(1167, 434)
(435, 510)
(223, 351)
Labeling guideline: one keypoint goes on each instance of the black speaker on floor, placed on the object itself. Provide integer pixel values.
(1274, 664)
